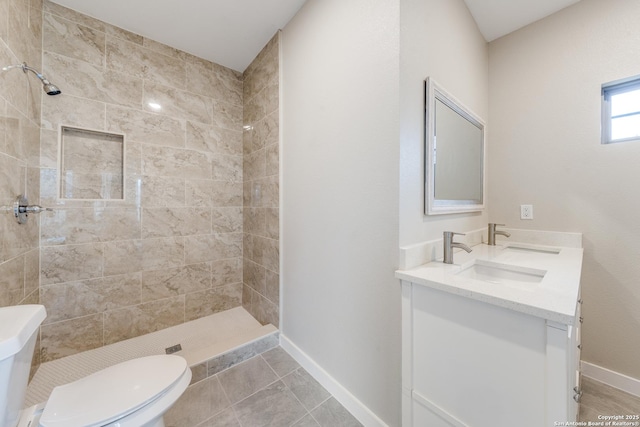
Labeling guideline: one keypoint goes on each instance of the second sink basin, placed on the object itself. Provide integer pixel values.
(493, 272)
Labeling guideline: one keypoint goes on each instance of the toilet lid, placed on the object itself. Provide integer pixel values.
(112, 393)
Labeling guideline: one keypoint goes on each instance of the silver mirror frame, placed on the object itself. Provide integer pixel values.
(433, 206)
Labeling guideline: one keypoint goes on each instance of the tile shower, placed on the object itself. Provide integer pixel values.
(197, 232)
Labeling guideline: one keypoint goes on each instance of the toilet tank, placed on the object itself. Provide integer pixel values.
(18, 331)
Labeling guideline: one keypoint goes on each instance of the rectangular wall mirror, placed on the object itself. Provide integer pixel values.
(454, 154)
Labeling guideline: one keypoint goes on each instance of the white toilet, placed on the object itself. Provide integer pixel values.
(135, 393)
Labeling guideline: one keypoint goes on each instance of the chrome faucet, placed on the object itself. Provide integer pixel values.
(491, 239)
(449, 244)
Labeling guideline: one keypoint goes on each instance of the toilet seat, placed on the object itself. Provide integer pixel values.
(114, 393)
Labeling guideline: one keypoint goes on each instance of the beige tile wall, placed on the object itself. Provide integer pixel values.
(20, 98)
(261, 185)
(172, 251)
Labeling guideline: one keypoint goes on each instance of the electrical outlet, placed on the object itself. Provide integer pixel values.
(526, 211)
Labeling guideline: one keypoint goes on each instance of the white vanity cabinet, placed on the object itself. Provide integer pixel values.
(470, 363)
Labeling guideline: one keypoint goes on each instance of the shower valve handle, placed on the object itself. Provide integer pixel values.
(22, 208)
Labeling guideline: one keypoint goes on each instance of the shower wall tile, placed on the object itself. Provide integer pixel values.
(254, 276)
(70, 262)
(12, 179)
(227, 115)
(73, 40)
(226, 220)
(20, 100)
(172, 250)
(213, 139)
(14, 82)
(261, 199)
(85, 80)
(272, 223)
(178, 103)
(272, 286)
(164, 191)
(164, 49)
(72, 15)
(204, 79)
(143, 318)
(12, 289)
(165, 222)
(70, 337)
(72, 111)
(19, 34)
(268, 53)
(86, 225)
(211, 301)
(272, 153)
(175, 281)
(122, 256)
(226, 168)
(227, 193)
(175, 162)
(149, 128)
(226, 272)
(4, 19)
(212, 247)
(137, 60)
(76, 299)
(32, 271)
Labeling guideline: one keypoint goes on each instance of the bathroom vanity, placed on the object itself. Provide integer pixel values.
(492, 339)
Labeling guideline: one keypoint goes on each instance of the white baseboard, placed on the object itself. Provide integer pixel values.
(614, 379)
(342, 395)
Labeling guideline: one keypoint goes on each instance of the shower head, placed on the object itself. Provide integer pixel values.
(47, 86)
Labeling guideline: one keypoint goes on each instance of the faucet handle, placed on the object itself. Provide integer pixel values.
(451, 233)
(496, 225)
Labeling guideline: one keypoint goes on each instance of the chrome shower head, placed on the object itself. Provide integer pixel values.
(47, 86)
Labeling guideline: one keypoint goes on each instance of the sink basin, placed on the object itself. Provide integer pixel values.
(531, 250)
(493, 272)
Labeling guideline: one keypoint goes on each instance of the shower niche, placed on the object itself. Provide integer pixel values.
(91, 164)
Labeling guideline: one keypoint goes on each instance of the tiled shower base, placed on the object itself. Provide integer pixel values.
(210, 345)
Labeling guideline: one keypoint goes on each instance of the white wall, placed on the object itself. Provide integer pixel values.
(545, 83)
(340, 300)
(439, 39)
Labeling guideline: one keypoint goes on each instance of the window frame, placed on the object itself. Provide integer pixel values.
(614, 88)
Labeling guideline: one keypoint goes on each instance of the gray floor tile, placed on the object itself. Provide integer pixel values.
(226, 418)
(332, 414)
(198, 403)
(246, 378)
(307, 421)
(280, 361)
(306, 389)
(273, 406)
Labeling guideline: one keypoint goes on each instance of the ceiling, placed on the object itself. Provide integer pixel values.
(496, 18)
(232, 32)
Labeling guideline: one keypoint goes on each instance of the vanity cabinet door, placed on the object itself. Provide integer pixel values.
(467, 363)
(475, 364)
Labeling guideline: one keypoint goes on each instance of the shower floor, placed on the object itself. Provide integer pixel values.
(202, 341)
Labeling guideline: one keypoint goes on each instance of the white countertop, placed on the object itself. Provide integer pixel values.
(554, 298)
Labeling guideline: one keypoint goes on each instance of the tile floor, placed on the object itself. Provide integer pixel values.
(270, 389)
(601, 399)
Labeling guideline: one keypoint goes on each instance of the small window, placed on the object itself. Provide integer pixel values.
(621, 111)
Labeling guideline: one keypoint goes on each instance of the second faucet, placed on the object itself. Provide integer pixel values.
(491, 233)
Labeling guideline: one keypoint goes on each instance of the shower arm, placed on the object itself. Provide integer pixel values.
(24, 68)
(48, 87)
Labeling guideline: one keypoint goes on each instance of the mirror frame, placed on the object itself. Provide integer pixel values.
(433, 206)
